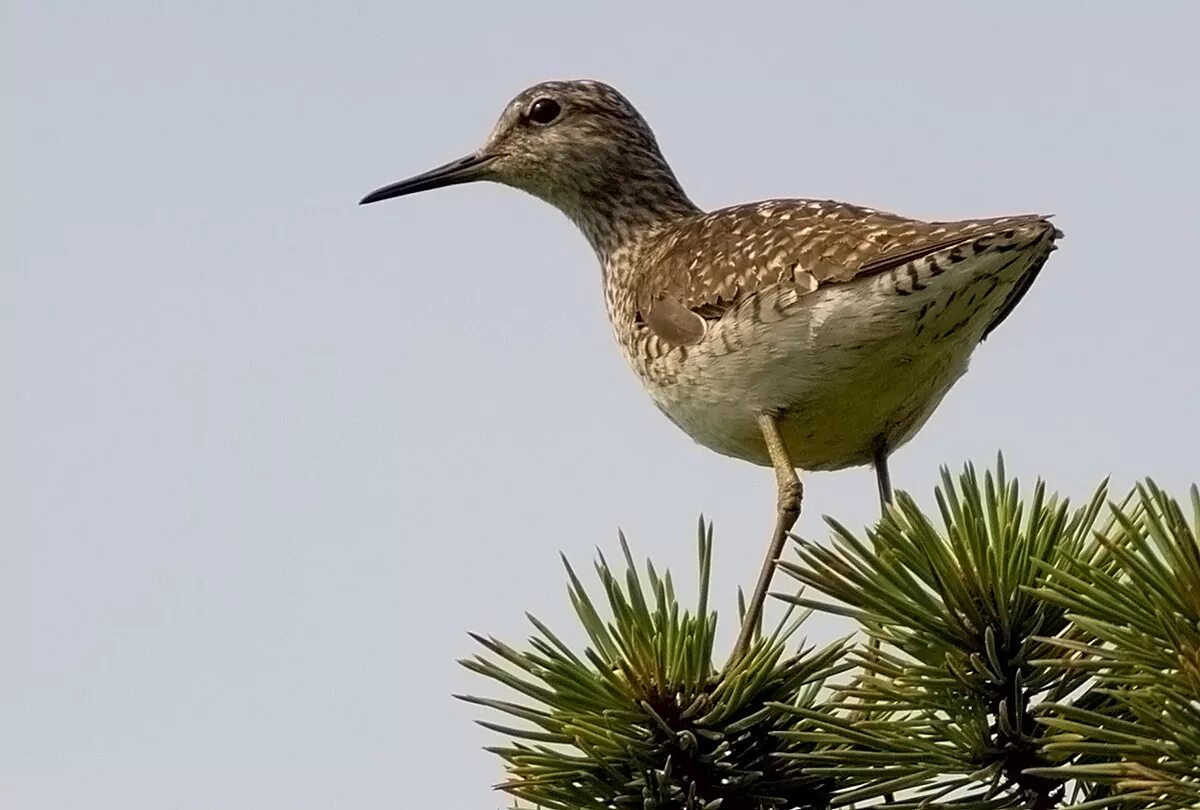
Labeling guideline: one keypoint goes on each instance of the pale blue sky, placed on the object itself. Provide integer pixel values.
(267, 456)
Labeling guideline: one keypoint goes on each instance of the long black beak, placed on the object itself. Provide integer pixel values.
(463, 170)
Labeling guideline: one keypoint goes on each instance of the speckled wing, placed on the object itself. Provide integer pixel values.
(703, 268)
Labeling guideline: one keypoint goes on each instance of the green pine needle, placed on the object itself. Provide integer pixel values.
(643, 718)
(1021, 654)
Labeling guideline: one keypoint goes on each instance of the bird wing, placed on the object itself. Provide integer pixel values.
(697, 272)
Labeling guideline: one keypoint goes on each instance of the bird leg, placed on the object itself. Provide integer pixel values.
(882, 476)
(789, 494)
(884, 479)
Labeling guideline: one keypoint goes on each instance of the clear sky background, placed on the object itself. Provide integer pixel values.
(266, 456)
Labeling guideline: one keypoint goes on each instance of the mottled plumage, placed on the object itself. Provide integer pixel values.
(849, 325)
(709, 263)
(788, 333)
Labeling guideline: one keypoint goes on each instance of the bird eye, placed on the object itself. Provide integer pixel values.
(544, 110)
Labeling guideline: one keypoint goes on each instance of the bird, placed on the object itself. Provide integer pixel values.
(806, 334)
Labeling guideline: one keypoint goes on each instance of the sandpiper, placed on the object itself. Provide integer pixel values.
(791, 333)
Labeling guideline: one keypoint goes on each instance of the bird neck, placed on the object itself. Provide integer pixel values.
(619, 210)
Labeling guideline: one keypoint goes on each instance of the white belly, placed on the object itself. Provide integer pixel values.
(845, 368)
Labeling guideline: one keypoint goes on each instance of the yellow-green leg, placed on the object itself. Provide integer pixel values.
(789, 493)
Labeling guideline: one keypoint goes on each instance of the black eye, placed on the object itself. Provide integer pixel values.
(544, 110)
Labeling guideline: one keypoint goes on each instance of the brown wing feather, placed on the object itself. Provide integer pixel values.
(707, 265)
